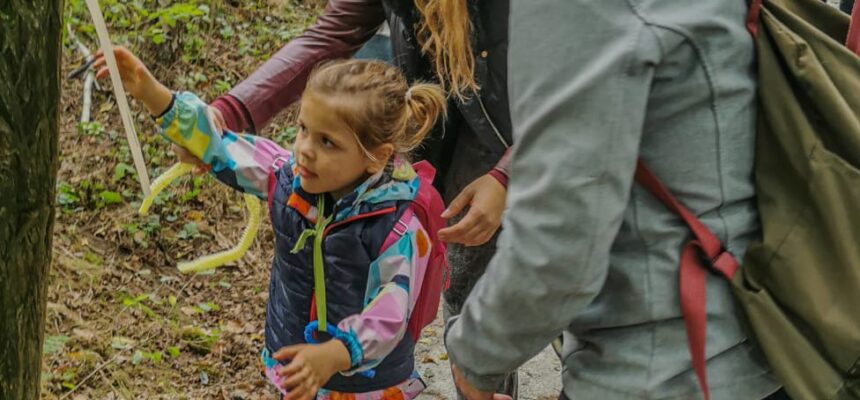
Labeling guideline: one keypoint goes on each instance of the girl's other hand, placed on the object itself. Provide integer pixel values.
(485, 198)
(136, 79)
(310, 367)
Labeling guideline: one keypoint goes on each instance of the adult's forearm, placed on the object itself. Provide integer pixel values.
(339, 32)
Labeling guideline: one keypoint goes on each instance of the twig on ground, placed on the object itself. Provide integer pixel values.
(90, 79)
(106, 363)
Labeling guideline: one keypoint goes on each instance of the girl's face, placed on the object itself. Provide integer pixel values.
(328, 156)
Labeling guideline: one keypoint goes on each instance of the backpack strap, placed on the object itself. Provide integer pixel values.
(400, 228)
(277, 164)
(853, 40)
(691, 273)
(752, 17)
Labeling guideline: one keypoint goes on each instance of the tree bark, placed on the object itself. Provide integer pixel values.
(30, 51)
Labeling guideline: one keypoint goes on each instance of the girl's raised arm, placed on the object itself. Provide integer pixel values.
(243, 162)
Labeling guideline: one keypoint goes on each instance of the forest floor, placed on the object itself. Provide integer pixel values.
(122, 322)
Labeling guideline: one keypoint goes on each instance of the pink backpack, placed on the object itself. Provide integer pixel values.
(427, 207)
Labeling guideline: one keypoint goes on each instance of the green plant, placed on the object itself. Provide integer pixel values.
(67, 197)
(93, 128)
(189, 231)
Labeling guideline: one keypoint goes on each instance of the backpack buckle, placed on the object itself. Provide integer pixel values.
(725, 263)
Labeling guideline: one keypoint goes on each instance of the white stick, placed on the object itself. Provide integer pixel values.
(88, 80)
(119, 91)
(88, 96)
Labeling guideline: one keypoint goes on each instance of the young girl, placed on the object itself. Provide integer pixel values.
(333, 202)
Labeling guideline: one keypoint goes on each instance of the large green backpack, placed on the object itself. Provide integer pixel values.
(800, 285)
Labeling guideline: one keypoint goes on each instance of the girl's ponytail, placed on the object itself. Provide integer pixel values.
(383, 108)
(425, 103)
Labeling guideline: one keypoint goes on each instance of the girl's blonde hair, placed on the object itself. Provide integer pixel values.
(375, 100)
(445, 36)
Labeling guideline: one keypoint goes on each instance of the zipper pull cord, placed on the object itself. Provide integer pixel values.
(318, 232)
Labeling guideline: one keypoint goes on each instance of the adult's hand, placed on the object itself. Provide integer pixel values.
(485, 198)
(472, 393)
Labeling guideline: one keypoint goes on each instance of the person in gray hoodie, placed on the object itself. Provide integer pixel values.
(594, 86)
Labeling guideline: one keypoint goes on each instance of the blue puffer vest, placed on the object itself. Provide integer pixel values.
(349, 247)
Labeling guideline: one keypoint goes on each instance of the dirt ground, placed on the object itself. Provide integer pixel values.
(540, 378)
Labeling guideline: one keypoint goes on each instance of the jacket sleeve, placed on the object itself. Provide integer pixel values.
(500, 171)
(393, 286)
(243, 162)
(578, 109)
(340, 31)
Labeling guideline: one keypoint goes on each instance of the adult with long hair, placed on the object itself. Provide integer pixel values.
(461, 45)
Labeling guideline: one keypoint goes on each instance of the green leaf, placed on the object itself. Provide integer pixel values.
(121, 343)
(54, 344)
(127, 301)
(155, 357)
(158, 38)
(93, 258)
(121, 170)
(210, 306)
(146, 310)
(110, 197)
(137, 357)
(188, 231)
(172, 300)
(173, 351)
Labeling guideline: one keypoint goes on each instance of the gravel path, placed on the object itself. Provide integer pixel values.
(540, 378)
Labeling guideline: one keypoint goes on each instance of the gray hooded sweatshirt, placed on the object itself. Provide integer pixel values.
(594, 86)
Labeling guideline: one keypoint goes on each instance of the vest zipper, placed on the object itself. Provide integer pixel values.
(318, 309)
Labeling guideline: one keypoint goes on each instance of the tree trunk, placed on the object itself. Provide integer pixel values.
(30, 34)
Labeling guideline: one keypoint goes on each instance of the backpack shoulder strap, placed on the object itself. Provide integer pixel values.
(400, 228)
(752, 17)
(691, 273)
(277, 164)
(853, 40)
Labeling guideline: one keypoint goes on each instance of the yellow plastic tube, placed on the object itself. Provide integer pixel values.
(216, 260)
(205, 263)
(161, 182)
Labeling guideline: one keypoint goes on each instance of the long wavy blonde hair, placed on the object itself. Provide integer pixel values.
(444, 33)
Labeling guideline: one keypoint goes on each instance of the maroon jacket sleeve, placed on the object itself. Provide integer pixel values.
(340, 31)
(500, 171)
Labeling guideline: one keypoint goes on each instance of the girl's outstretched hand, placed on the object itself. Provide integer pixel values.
(310, 367)
(136, 79)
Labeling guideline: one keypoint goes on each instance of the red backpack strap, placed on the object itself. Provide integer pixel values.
(400, 228)
(853, 39)
(752, 17)
(276, 165)
(692, 271)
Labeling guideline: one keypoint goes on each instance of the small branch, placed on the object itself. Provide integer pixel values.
(106, 363)
(88, 95)
(90, 78)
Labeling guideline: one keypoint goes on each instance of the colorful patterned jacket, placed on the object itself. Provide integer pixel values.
(369, 294)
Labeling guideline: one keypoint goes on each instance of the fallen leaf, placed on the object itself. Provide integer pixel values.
(83, 334)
